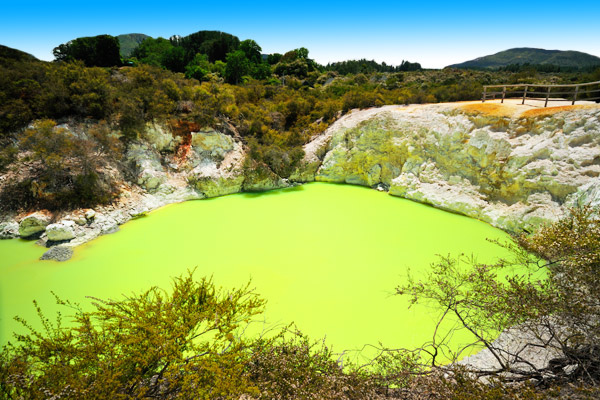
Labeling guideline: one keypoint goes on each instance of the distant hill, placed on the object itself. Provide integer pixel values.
(129, 42)
(525, 55)
(8, 53)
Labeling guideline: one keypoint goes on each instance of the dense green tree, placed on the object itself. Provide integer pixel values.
(198, 68)
(153, 51)
(174, 59)
(364, 66)
(261, 70)
(274, 58)
(95, 51)
(252, 51)
(295, 63)
(408, 66)
(214, 44)
(237, 66)
(302, 52)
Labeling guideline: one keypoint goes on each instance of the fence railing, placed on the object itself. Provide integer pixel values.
(579, 92)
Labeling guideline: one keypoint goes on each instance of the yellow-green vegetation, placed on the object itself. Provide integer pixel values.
(274, 105)
(154, 344)
(60, 170)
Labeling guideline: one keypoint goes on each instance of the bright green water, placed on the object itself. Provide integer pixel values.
(327, 257)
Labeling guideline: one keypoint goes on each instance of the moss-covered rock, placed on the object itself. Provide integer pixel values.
(33, 224)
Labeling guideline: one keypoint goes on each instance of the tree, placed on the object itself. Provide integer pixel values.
(252, 51)
(174, 59)
(237, 66)
(153, 51)
(95, 51)
(198, 68)
(296, 63)
(551, 303)
(177, 343)
(261, 70)
(216, 45)
(274, 58)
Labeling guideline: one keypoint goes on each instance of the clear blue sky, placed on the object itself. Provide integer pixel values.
(434, 33)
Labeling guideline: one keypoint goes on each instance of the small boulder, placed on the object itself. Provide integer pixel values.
(34, 223)
(61, 231)
(58, 253)
(80, 221)
(9, 230)
(90, 214)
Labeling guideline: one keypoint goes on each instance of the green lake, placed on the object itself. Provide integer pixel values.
(327, 257)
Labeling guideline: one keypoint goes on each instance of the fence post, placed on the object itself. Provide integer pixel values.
(484, 94)
(525, 94)
(503, 93)
(547, 95)
(575, 95)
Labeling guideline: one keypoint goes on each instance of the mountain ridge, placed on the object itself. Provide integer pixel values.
(532, 56)
(15, 54)
(129, 42)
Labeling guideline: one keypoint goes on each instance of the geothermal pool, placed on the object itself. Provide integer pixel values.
(327, 257)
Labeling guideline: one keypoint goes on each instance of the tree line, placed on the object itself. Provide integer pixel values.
(211, 52)
(274, 116)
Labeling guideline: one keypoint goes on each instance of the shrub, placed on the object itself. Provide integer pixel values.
(60, 170)
(548, 292)
(178, 343)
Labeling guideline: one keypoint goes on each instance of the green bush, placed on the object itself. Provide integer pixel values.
(157, 344)
(60, 170)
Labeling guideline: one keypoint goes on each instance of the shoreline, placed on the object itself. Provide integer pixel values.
(489, 161)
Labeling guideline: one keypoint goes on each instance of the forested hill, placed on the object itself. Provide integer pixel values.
(8, 53)
(525, 55)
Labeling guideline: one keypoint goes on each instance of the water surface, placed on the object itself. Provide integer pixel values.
(325, 256)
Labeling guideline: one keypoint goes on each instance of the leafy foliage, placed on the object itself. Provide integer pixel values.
(154, 344)
(60, 170)
(273, 106)
(552, 305)
(364, 66)
(291, 366)
(184, 344)
(94, 51)
(214, 44)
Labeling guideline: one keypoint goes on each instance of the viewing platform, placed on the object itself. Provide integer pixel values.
(579, 93)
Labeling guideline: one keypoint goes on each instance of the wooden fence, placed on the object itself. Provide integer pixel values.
(580, 91)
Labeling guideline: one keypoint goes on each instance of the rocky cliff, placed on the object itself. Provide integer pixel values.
(510, 165)
(513, 166)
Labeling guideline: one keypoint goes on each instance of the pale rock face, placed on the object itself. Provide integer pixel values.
(220, 177)
(9, 230)
(151, 173)
(211, 143)
(33, 223)
(512, 172)
(159, 137)
(60, 231)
